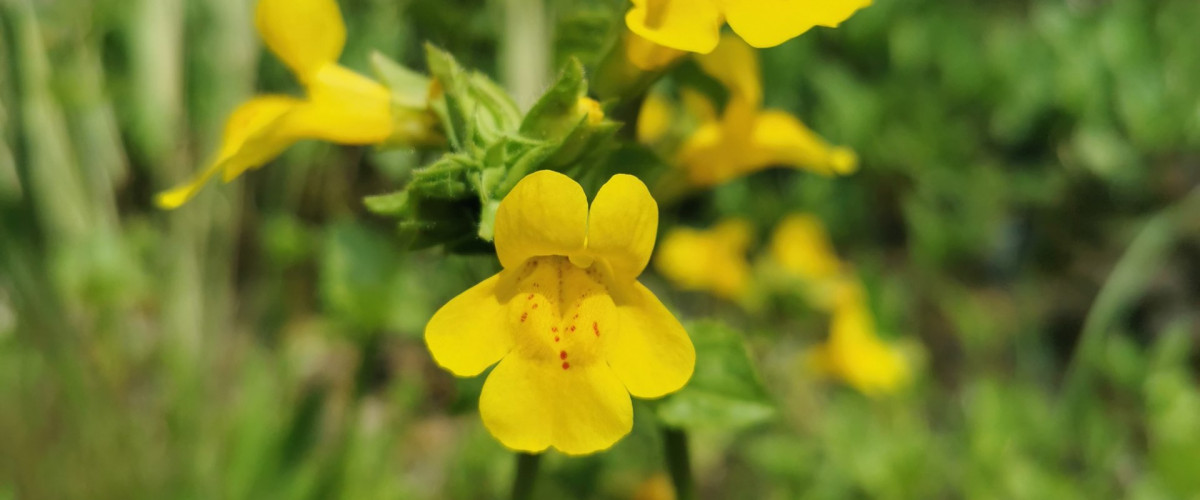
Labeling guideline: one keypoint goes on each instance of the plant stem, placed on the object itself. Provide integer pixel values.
(525, 49)
(527, 469)
(675, 444)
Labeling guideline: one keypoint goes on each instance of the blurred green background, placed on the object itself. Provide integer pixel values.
(1027, 211)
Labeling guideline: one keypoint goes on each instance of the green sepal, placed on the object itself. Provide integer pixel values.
(557, 112)
(447, 178)
(414, 122)
(408, 88)
(474, 110)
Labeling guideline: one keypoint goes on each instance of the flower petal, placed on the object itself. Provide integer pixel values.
(470, 333)
(622, 225)
(248, 142)
(767, 23)
(780, 139)
(711, 157)
(736, 66)
(647, 55)
(342, 107)
(801, 246)
(650, 352)
(712, 260)
(654, 120)
(859, 356)
(545, 214)
(530, 406)
(305, 34)
(691, 25)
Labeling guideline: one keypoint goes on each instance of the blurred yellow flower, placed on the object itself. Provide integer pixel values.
(800, 246)
(695, 25)
(656, 487)
(574, 332)
(855, 354)
(340, 106)
(647, 55)
(654, 119)
(712, 260)
(745, 138)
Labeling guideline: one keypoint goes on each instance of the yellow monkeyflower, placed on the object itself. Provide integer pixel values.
(340, 106)
(695, 25)
(647, 55)
(801, 247)
(656, 487)
(746, 138)
(854, 352)
(713, 260)
(574, 332)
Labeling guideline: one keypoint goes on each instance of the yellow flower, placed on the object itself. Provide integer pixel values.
(654, 119)
(340, 106)
(801, 248)
(855, 354)
(695, 25)
(573, 331)
(745, 138)
(647, 55)
(656, 487)
(712, 260)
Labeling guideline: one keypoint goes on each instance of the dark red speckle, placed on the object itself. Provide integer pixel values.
(562, 355)
(566, 365)
(596, 328)
(523, 316)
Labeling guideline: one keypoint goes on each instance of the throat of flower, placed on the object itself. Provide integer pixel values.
(561, 311)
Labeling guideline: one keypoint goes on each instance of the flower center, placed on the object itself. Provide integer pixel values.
(561, 312)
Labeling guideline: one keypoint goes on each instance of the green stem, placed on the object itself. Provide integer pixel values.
(525, 49)
(675, 442)
(527, 469)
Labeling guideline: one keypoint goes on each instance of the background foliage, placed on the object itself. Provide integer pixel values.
(1026, 211)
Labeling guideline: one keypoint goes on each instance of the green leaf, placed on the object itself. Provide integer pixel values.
(357, 269)
(725, 392)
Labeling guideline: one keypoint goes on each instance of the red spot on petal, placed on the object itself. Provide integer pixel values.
(566, 365)
(523, 316)
(554, 328)
(562, 355)
(530, 297)
(556, 339)
(576, 316)
(572, 328)
(596, 328)
(535, 305)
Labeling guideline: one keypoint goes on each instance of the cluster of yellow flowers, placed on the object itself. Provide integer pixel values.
(715, 260)
(571, 332)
